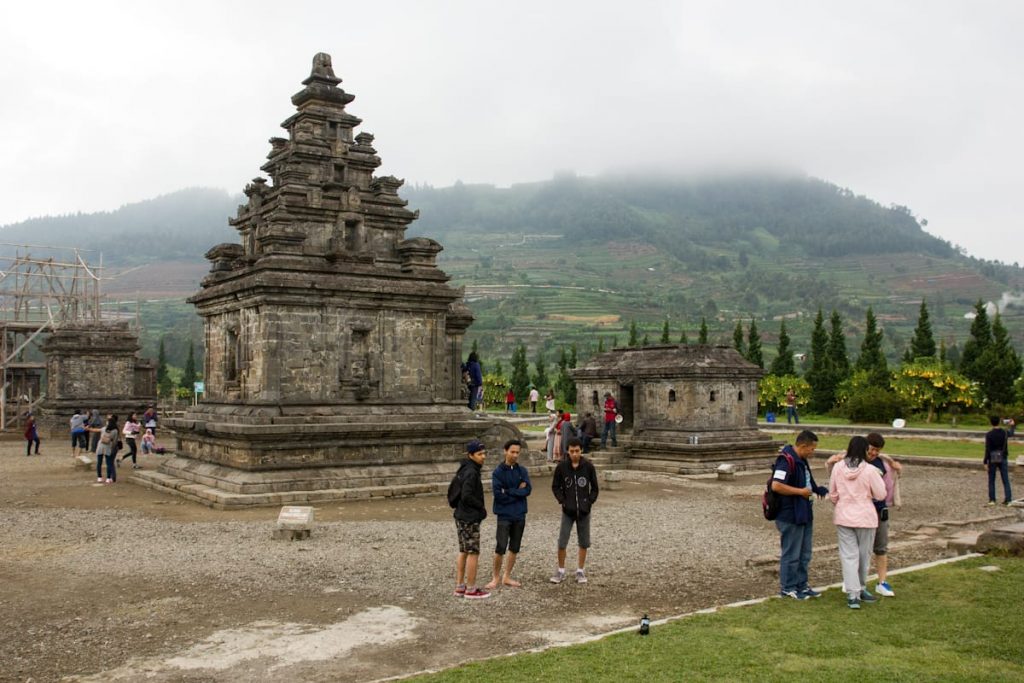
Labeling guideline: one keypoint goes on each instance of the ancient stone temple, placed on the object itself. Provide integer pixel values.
(686, 409)
(333, 343)
(94, 365)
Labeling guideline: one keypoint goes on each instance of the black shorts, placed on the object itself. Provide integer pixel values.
(510, 536)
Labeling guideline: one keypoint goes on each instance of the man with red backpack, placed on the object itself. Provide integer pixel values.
(793, 481)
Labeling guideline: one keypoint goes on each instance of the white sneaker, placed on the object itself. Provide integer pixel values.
(99, 480)
(558, 577)
(580, 576)
(883, 588)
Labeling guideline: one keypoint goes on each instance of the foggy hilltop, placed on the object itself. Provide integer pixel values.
(577, 255)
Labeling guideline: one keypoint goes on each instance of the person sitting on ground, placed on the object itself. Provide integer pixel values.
(148, 442)
(588, 431)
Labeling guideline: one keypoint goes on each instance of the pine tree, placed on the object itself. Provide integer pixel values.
(520, 372)
(737, 338)
(540, 371)
(754, 353)
(979, 341)
(702, 336)
(646, 340)
(1000, 365)
(188, 377)
(161, 364)
(820, 375)
(908, 354)
(923, 343)
(633, 341)
(600, 344)
(564, 388)
(953, 356)
(664, 333)
(499, 370)
(783, 364)
(573, 355)
(837, 349)
(871, 358)
(682, 338)
(942, 353)
(164, 383)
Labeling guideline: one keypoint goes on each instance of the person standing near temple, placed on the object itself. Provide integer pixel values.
(131, 434)
(534, 397)
(475, 379)
(31, 435)
(106, 451)
(94, 424)
(149, 419)
(996, 459)
(79, 433)
(510, 484)
(611, 411)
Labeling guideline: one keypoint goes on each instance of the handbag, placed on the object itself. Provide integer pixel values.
(995, 457)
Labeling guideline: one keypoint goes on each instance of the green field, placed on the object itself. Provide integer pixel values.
(954, 622)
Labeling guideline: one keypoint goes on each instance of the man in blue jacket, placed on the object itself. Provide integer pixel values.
(510, 485)
(792, 479)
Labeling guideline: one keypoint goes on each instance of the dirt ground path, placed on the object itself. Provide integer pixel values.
(120, 583)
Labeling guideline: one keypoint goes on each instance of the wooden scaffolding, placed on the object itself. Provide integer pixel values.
(41, 289)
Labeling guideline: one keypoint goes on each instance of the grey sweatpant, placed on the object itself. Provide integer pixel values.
(855, 556)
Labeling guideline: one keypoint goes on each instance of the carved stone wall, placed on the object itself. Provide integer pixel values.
(94, 366)
(333, 343)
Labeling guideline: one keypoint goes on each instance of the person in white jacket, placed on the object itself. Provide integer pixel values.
(854, 487)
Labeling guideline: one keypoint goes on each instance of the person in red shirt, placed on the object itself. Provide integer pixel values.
(611, 410)
(510, 401)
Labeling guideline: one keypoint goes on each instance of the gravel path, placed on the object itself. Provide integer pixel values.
(122, 583)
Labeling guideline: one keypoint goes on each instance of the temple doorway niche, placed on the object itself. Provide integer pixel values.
(626, 407)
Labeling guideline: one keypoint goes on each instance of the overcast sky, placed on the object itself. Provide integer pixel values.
(912, 103)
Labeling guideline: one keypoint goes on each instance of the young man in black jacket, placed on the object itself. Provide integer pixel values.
(996, 460)
(574, 484)
(469, 512)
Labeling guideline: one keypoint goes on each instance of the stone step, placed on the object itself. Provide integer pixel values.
(226, 500)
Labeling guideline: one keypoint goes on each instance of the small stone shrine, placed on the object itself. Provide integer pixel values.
(686, 409)
(333, 344)
(94, 365)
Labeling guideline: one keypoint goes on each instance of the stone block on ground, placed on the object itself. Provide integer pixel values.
(726, 471)
(1006, 539)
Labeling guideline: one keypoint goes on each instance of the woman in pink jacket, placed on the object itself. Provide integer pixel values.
(853, 488)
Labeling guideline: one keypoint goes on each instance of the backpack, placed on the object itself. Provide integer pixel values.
(771, 501)
(454, 491)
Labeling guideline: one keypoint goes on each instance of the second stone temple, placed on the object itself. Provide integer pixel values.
(333, 343)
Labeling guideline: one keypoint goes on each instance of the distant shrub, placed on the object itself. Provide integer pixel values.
(874, 404)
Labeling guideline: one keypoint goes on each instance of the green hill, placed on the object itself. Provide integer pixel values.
(575, 260)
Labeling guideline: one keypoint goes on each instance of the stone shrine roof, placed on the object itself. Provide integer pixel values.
(669, 361)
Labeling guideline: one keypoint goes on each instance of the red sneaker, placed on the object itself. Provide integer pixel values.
(477, 594)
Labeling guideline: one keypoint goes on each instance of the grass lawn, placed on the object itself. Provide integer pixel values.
(954, 622)
(966, 422)
(934, 448)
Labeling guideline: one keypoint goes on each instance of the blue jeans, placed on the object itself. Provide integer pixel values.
(795, 554)
(791, 415)
(609, 427)
(1004, 471)
(111, 467)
